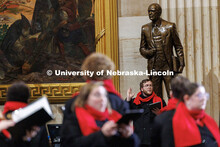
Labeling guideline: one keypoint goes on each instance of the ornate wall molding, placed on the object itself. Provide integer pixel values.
(56, 92)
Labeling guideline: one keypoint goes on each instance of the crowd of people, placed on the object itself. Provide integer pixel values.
(91, 115)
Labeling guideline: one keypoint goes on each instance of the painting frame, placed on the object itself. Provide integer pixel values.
(56, 92)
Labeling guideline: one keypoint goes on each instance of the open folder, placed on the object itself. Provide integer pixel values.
(35, 114)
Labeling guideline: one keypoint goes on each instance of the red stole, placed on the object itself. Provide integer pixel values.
(87, 115)
(185, 129)
(11, 106)
(153, 96)
(172, 104)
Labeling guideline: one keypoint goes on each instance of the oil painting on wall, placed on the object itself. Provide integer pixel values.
(41, 35)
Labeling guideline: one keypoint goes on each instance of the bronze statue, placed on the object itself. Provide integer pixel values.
(157, 41)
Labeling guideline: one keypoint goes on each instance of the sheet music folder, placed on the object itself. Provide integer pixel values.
(130, 115)
(35, 114)
(155, 105)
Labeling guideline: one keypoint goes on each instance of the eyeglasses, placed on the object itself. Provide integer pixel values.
(147, 85)
(202, 95)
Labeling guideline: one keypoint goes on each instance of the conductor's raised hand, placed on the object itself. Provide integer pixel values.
(129, 94)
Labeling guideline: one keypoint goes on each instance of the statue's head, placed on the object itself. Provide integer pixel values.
(154, 11)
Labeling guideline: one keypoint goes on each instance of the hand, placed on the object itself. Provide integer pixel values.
(4, 124)
(31, 133)
(129, 94)
(154, 50)
(109, 128)
(126, 130)
(156, 111)
(180, 70)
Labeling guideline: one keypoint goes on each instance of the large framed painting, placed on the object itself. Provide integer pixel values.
(41, 41)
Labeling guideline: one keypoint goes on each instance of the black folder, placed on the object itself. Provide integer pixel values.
(35, 114)
(155, 105)
(130, 115)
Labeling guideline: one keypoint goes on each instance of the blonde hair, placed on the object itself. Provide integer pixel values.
(84, 94)
(98, 62)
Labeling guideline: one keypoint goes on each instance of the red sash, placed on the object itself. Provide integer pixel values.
(185, 129)
(155, 98)
(172, 104)
(13, 105)
(87, 116)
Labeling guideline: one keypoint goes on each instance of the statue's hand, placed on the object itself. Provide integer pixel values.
(180, 70)
(154, 50)
(148, 53)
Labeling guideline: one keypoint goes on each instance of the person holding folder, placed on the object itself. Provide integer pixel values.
(186, 124)
(94, 121)
(143, 100)
(17, 97)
